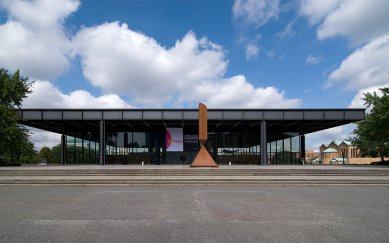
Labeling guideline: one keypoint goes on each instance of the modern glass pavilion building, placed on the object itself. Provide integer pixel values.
(170, 136)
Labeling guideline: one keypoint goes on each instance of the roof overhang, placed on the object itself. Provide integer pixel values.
(289, 120)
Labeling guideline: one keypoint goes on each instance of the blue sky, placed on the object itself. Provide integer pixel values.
(170, 53)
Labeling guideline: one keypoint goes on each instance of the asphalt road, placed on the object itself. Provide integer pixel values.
(194, 213)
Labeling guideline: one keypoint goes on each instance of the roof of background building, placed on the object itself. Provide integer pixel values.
(337, 142)
(330, 150)
(347, 142)
(339, 159)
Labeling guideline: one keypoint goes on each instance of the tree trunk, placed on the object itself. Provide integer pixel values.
(382, 152)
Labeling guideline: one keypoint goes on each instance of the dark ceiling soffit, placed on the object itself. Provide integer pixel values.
(188, 114)
(188, 109)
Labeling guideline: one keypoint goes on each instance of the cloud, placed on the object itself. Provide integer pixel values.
(46, 95)
(250, 15)
(358, 20)
(138, 66)
(40, 14)
(41, 138)
(287, 33)
(33, 38)
(152, 75)
(314, 140)
(358, 101)
(251, 51)
(316, 10)
(365, 24)
(365, 67)
(255, 13)
(313, 60)
(236, 92)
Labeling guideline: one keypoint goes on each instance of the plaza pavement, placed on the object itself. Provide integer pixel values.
(194, 213)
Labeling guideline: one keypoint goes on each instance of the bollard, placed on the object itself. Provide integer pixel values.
(229, 163)
(143, 163)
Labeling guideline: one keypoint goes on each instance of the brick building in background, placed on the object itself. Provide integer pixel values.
(343, 152)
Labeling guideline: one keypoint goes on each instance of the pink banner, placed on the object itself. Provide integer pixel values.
(174, 140)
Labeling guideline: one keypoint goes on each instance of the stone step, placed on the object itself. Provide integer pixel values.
(125, 175)
(126, 180)
(195, 182)
(194, 172)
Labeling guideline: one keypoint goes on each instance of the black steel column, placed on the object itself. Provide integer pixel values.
(302, 147)
(263, 143)
(63, 149)
(102, 142)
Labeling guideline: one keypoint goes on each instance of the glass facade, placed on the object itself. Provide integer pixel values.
(81, 151)
(133, 147)
(234, 147)
(284, 149)
(149, 147)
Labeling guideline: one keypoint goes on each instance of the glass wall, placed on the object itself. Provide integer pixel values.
(150, 148)
(81, 151)
(234, 147)
(135, 147)
(284, 149)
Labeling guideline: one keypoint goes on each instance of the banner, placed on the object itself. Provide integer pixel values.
(174, 140)
(191, 142)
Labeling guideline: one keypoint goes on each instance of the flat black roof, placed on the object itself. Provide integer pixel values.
(293, 120)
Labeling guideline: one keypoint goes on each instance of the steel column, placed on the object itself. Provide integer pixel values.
(63, 149)
(102, 142)
(263, 143)
(302, 147)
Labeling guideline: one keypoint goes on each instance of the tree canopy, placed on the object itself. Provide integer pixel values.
(14, 143)
(372, 134)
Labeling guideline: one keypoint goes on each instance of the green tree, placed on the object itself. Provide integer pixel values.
(45, 154)
(13, 138)
(56, 154)
(372, 133)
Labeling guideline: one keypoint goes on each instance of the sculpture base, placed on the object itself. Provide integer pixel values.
(203, 159)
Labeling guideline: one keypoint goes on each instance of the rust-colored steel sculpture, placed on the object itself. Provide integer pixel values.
(203, 158)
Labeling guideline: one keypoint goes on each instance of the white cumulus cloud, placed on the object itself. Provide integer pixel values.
(33, 38)
(141, 68)
(358, 20)
(358, 101)
(153, 75)
(365, 67)
(316, 10)
(46, 95)
(365, 24)
(236, 92)
(40, 14)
